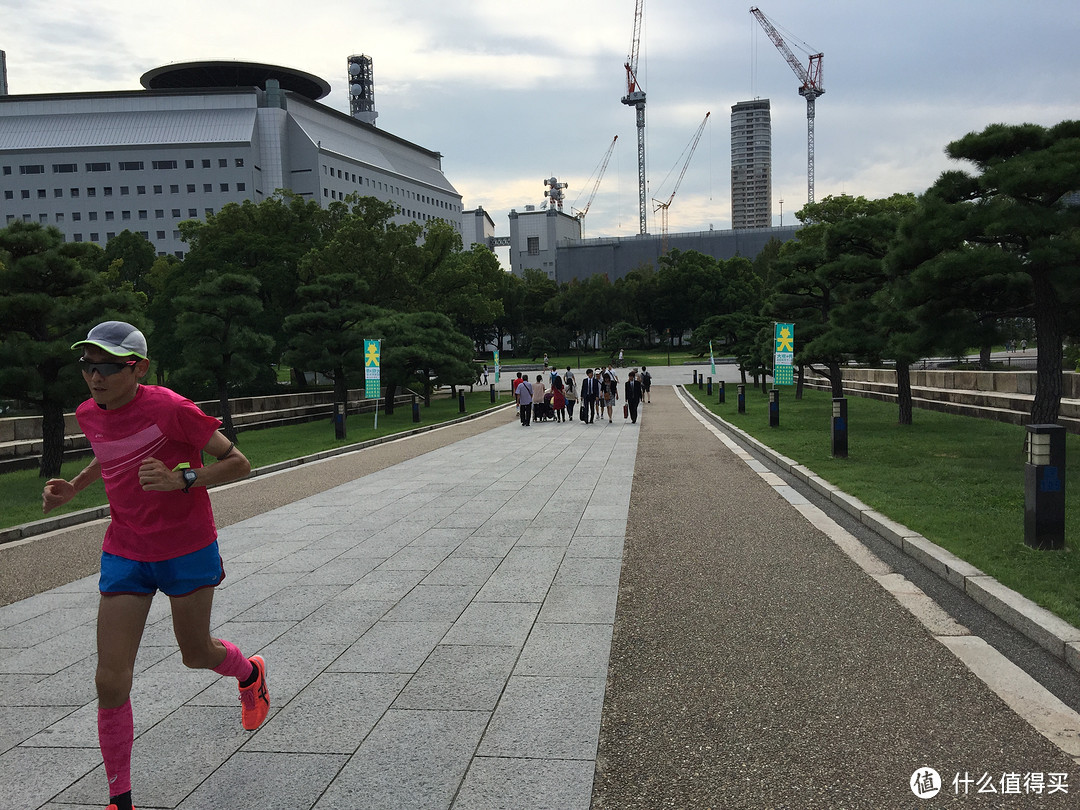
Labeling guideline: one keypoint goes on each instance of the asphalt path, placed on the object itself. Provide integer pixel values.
(755, 665)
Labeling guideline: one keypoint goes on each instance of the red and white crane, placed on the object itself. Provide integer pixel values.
(635, 97)
(810, 89)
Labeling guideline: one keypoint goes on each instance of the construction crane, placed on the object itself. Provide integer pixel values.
(664, 206)
(599, 176)
(635, 97)
(810, 89)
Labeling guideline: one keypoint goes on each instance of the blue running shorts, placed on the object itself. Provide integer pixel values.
(176, 577)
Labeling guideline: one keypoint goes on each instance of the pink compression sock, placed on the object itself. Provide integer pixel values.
(116, 732)
(235, 664)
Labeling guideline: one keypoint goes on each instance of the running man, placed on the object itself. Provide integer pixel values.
(148, 444)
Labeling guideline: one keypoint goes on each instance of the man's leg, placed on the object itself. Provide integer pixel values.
(191, 624)
(121, 619)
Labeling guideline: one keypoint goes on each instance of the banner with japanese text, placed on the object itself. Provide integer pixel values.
(372, 349)
(784, 354)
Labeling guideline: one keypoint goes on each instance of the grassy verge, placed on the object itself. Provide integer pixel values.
(957, 480)
(20, 492)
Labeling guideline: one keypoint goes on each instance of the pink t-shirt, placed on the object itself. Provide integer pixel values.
(161, 424)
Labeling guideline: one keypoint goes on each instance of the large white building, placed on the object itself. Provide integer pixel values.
(200, 135)
(751, 164)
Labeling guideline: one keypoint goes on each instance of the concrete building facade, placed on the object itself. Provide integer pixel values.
(200, 135)
(751, 164)
(617, 257)
(536, 235)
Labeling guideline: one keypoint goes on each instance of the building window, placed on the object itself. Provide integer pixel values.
(95, 237)
(74, 192)
(131, 165)
(41, 193)
(59, 218)
(159, 213)
(107, 191)
(241, 186)
(76, 217)
(125, 215)
(224, 186)
(206, 163)
(209, 211)
(64, 168)
(534, 245)
(164, 164)
(223, 163)
(239, 163)
(93, 216)
(158, 189)
(125, 190)
(78, 237)
(9, 194)
(25, 194)
(207, 188)
(140, 189)
(176, 213)
(174, 189)
(161, 234)
(98, 167)
(191, 188)
(192, 213)
(144, 214)
(91, 192)
(110, 216)
(7, 170)
(32, 168)
(43, 218)
(189, 164)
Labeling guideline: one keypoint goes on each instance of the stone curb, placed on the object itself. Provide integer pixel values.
(34, 528)
(1036, 623)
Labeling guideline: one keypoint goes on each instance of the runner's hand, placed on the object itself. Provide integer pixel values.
(154, 476)
(57, 492)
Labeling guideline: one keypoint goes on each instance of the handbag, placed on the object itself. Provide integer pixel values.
(625, 411)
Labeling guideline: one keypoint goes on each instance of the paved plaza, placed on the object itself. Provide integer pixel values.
(561, 616)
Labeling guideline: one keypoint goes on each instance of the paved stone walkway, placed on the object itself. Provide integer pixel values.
(436, 634)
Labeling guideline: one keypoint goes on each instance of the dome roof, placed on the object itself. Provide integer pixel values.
(229, 73)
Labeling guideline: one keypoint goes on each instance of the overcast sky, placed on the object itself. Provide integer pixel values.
(511, 92)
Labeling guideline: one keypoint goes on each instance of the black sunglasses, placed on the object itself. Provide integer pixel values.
(105, 369)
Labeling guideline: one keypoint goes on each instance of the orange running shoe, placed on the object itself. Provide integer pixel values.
(255, 699)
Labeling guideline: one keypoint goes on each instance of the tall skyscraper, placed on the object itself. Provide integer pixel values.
(751, 164)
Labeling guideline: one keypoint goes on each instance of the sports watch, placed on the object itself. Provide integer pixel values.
(190, 476)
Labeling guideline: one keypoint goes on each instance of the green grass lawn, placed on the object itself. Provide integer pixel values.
(957, 480)
(20, 492)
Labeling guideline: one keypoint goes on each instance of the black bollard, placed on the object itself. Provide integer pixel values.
(1044, 487)
(774, 407)
(339, 420)
(461, 402)
(695, 376)
(742, 398)
(388, 409)
(415, 410)
(708, 387)
(493, 392)
(723, 393)
(839, 427)
(700, 381)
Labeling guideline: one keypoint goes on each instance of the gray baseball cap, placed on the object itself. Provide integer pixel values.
(117, 338)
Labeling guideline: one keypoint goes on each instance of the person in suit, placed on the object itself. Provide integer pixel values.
(634, 393)
(590, 390)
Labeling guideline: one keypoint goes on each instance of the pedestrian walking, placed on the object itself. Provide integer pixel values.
(148, 443)
(634, 392)
(558, 400)
(538, 397)
(610, 394)
(484, 374)
(570, 392)
(646, 383)
(590, 391)
(525, 401)
(620, 358)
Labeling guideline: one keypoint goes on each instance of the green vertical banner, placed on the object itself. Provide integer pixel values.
(496, 353)
(784, 354)
(372, 349)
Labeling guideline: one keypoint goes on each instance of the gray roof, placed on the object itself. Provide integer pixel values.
(129, 128)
